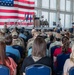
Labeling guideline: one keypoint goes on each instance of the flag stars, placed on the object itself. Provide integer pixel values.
(1, 3)
(9, 2)
(6, 2)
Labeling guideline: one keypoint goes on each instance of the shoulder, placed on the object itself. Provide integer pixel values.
(46, 61)
(69, 48)
(11, 62)
(30, 40)
(10, 59)
(68, 60)
(46, 58)
(27, 59)
(57, 51)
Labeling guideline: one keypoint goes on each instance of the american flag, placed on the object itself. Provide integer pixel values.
(16, 11)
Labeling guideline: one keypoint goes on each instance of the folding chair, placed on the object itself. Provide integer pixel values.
(61, 58)
(4, 70)
(71, 71)
(38, 69)
(19, 48)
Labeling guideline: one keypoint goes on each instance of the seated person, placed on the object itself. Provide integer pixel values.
(16, 40)
(48, 37)
(50, 44)
(69, 63)
(30, 41)
(38, 55)
(57, 41)
(10, 49)
(7, 61)
(63, 49)
(22, 35)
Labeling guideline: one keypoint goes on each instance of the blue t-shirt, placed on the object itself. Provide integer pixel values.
(10, 49)
(22, 36)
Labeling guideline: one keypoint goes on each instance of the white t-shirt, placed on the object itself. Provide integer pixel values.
(68, 64)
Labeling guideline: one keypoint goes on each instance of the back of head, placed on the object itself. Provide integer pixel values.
(39, 47)
(32, 32)
(52, 38)
(65, 42)
(65, 39)
(72, 54)
(67, 34)
(14, 33)
(35, 34)
(58, 37)
(8, 40)
(49, 34)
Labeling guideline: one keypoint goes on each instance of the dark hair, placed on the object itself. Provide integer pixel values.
(65, 41)
(2, 52)
(15, 37)
(64, 38)
(58, 39)
(39, 47)
(52, 38)
(8, 40)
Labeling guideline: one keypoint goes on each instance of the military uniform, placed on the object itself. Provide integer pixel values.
(17, 41)
(30, 43)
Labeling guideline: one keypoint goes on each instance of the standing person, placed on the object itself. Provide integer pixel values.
(38, 55)
(59, 26)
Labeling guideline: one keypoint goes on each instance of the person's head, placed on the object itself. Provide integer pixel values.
(8, 40)
(65, 42)
(65, 39)
(39, 47)
(2, 52)
(33, 31)
(3, 31)
(14, 34)
(55, 29)
(58, 37)
(72, 54)
(52, 38)
(49, 34)
(67, 34)
(35, 34)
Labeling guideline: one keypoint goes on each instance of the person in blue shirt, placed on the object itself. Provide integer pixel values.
(10, 49)
(22, 35)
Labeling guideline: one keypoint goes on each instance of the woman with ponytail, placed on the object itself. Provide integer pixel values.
(7, 61)
(69, 63)
(63, 49)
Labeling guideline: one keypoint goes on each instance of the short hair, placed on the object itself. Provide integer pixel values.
(39, 47)
(52, 38)
(8, 40)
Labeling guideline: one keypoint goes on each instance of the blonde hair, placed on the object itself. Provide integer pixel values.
(72, 54)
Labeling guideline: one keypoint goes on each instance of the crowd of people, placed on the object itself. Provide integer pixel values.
(20, 48)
